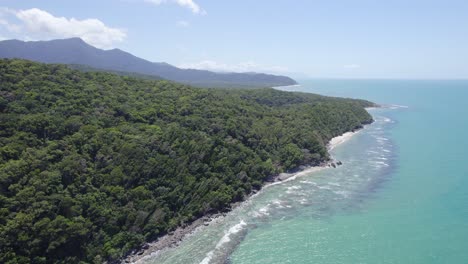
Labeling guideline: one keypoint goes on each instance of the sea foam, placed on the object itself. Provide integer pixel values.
(224, 240)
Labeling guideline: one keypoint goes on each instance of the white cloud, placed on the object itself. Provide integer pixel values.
(9, 26)
(248, 66)
(4, 12)
(351, 66)
(190, 4)
(183, 23)
(38, 24)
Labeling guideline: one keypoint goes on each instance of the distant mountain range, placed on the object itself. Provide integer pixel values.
(76, 52)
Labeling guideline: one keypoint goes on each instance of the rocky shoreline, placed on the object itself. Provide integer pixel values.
(173, 238)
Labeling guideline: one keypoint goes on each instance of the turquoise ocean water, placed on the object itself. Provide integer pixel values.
(400, 197)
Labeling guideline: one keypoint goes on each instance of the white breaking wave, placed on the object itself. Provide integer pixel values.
(294, 187)
(381, 163)
(233, 230)
(395, 106)
(262, 212)
(324, 187)
(225, 239)
(308, 182)
(208, 258)
(382, 138)
(278, 203)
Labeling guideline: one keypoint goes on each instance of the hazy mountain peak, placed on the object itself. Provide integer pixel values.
(77, 51)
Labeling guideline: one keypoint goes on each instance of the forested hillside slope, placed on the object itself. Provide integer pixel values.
(93, 164)
(77, 52)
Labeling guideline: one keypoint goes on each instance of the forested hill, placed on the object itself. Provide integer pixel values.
(78, 53)
(93, 164)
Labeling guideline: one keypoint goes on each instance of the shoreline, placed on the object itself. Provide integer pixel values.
(287, 88)
(174, 238)
(336, 141)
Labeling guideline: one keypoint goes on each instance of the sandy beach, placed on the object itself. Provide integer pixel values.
(336, 141)
(172, 239)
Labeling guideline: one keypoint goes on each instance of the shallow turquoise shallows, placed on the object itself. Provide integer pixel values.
(400, 197)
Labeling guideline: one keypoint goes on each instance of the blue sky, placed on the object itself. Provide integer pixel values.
(302, 38)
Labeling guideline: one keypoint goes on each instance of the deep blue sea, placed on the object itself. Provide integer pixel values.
(400, 197)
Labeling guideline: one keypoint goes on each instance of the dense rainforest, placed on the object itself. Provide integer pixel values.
(94, 164)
